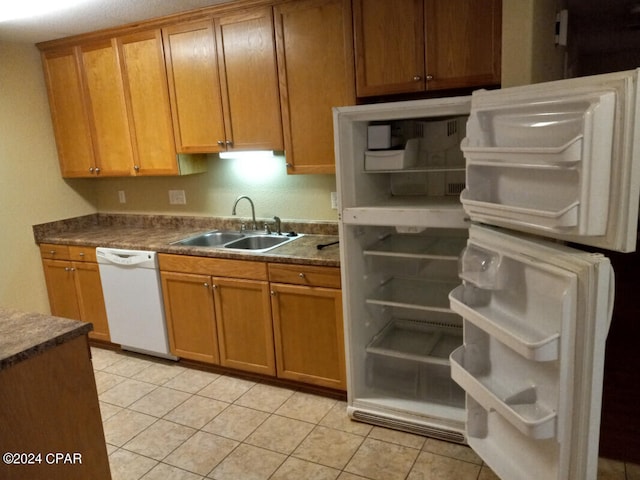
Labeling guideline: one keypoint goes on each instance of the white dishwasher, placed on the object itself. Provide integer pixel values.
(133, 299)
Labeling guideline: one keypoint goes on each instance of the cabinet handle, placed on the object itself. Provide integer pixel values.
(417, 78)
(136, 168)
(81, 254)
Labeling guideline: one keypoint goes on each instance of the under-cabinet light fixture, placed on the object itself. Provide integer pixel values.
(251, 154)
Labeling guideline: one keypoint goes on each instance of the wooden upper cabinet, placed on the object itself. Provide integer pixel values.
(249, 80)
(223, 83)
(389, 44)
(194, 86)
(108, 112)
(410, 46)
(463, 42)
(68, 112)
(147, 96)
(314, 40)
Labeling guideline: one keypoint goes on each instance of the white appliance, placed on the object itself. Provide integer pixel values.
(133, 300)
(511, 361)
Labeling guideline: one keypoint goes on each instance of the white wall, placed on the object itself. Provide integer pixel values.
(31, 189)
(291, 197)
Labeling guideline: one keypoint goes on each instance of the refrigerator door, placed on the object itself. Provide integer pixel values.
(536, 316)
(559, 159)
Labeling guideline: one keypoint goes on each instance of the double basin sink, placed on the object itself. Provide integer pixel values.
(257, 242)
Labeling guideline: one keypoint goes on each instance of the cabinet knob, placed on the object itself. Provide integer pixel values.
(301, 275)
(429, 77)
(220, 143)
(81, 254)
(229, 143)
(206, 284)
(214, 286)
(289, 165)
(136, 168)
(273, 294)
(97, 169)
(91, 169)
(417, 78)
(52, 252)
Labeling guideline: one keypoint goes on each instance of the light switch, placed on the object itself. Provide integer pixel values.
(122, 198)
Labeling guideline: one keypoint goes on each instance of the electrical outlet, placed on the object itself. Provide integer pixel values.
(177, 197)
(334, 200)
(122, 198)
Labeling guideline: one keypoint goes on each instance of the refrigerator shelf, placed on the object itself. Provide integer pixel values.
(519, 406)
(530, 339)
(417, 341)
(416, 294)
(419, 247)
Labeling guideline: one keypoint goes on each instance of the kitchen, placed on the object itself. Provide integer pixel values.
(34, 193)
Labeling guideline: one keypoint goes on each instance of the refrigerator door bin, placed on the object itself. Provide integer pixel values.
(516, 402)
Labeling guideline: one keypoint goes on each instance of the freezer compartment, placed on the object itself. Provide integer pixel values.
(411, 359)
(524, 393)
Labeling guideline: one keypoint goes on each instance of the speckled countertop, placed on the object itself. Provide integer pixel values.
(24, 335)
(158, 232)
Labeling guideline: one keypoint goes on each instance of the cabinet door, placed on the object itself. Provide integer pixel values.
(188, 306)
(110, 126)
(389, 43)
(91, 299)
(463, 43)
(61, 288)
(68, 113)
(315, 65)
(309, 334)
(194, 87)
(243, 317)
(249, 78)
(147, 96)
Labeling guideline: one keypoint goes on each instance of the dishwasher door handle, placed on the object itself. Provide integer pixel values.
(127, 259)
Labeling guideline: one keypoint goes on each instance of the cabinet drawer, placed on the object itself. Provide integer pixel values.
(82, 254)
(213, 266)
(305, 275)
(53, 251)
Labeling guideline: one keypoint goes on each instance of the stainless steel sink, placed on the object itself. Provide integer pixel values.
(259, 242)
(210, 239)
(253, 241)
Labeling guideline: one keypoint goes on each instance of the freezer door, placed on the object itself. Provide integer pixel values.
(560, 159)
(536, 317)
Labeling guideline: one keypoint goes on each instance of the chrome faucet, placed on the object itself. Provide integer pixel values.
(278, 225)
(253, 210)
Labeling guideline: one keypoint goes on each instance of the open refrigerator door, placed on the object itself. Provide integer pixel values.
(536, 317)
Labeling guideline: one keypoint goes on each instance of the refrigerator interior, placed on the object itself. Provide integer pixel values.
(400, 174)
(402, 329)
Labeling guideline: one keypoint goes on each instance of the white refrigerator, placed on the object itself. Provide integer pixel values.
(467, 315)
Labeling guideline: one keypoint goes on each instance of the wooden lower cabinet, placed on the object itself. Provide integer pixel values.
(188, 307)
(220, 320)
(74, 286)
(308, 327)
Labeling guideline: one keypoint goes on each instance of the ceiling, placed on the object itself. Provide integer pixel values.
(92, 15)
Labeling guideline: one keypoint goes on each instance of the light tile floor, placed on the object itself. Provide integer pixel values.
(163, 421)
